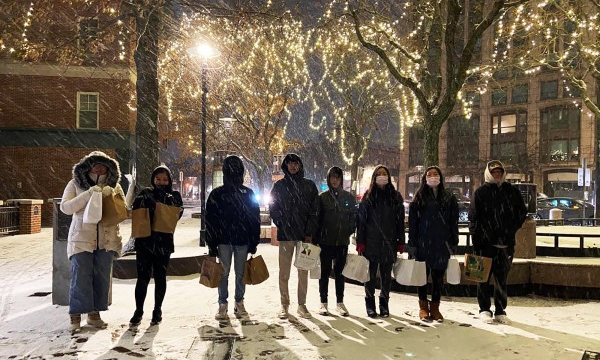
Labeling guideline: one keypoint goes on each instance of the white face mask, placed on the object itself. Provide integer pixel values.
(433, 181)
(381, 180)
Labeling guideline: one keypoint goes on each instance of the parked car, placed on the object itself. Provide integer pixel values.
(571, 208)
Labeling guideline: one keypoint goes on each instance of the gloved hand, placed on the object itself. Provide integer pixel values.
(95, 188)
(107, 191)
(400, 248)
(454, 249)
(213, 251)
(360, 248)
(411, 250)
(252, 250)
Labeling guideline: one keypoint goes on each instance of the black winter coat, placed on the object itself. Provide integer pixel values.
(495, 215)
(381, 229)
(433, 227)
(232, 217)
(337, 217)
(294, 207)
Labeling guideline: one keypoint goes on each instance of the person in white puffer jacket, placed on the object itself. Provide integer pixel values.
(91, 248)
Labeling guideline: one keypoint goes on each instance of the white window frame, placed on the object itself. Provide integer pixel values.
(97, 94)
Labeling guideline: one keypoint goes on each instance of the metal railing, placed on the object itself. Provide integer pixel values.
(9, 220)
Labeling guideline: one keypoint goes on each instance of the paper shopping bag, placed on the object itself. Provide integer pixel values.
(165, 218)
(255, 271)
(93, 210)
(453, 271)
(411, 272)
(307, 256)
(477, 268)
(114, 210)
(140, 223)
(210, 272)
(315, 273)
(357, 268)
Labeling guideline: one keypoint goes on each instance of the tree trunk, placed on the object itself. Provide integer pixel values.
(354, 177)
(146, 127)
(432, 139)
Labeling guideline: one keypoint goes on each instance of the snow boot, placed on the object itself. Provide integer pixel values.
(436, 315)
(370, 304)
(75, 323)
(424, 311)
(156, 317)
(94, 319)
(136, 319)
(384, 310)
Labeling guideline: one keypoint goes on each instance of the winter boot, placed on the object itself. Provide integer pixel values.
(156, 317)
(222, 313)
(384, 310)
(136, 319)
(436, 315)
(240, 310)
(75, 323)
(94, 319)
(424, 311)
(370, 304)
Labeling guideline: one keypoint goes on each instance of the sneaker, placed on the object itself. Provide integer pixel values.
(341, 309)
(502, 319)
(283, 314)
(136, 319)
(486, 317)
(323, 309)
(239, 310)
(94, 319)
(303, 312)
(156, 317)
(222, 314)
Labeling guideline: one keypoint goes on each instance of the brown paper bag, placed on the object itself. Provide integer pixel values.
(210, 272)
(114, 210)
(477, 268)
(165, 218)
(140, 223)
(255, 271)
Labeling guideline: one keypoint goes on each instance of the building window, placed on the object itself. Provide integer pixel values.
(520, 94)
(416, 139)
(499, 97)
(549, 90)
(462, 143)
(474, 99)
(88, 31)
(509, 137)
(560, 134)
(87, 110)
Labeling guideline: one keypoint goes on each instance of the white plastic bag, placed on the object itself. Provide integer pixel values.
(396, 268)
(357, 268)
(93, 209)
(307, 256)
(453, 271)
(315, 273)
(411, 272)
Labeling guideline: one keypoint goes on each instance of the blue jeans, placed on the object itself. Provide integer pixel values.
(90, 281)
(239, 254)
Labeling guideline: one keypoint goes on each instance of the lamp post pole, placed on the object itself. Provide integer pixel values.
(203, 163)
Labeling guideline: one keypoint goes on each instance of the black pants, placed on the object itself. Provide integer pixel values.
(501, 262)
(437, 280)
(336, 256)
(385, 275)
(149, 262)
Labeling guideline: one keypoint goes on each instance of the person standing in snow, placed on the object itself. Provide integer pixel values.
(496, 212)
(432, 230)
(91, 248)
(337, 221)
(154, 252)
(380, 235)
(233, 231)
(294, 206)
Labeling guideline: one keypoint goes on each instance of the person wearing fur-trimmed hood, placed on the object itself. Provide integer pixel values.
(91, 248)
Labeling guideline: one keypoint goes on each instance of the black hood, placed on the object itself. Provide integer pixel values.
(292, 158)
(337, 171)
(233, 171)
(85, 165)
(162, 168)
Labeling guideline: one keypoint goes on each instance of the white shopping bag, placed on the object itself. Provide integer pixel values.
(411, 272)
(307, 256)
(453, 271)
(396, 267)
(315, 273)
(357, 268)
(93, 209)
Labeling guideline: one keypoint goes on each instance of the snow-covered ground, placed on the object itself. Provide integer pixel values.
(32, 328)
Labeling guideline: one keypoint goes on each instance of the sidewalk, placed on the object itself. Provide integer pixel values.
(31, 327)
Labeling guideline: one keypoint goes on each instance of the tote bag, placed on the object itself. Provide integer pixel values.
(307, 256)
(210, 272)
(114, 210)
(93, 210)
(315, 273)
(255, 271)
(165, 218)
(477, 268)
(357, 268)
(453, 271)
(140, 223)
(411, 272)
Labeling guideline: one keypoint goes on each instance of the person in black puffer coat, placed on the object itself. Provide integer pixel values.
(432, 231)
(232, 231)
(380, 234)
(153, 252)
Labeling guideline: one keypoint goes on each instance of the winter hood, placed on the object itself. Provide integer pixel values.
(292, 158)
(233, 171)
(164, 169)
(487, 174)
(335, 171)
(85, 165)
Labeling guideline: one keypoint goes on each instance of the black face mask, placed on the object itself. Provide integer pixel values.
(162, 187)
